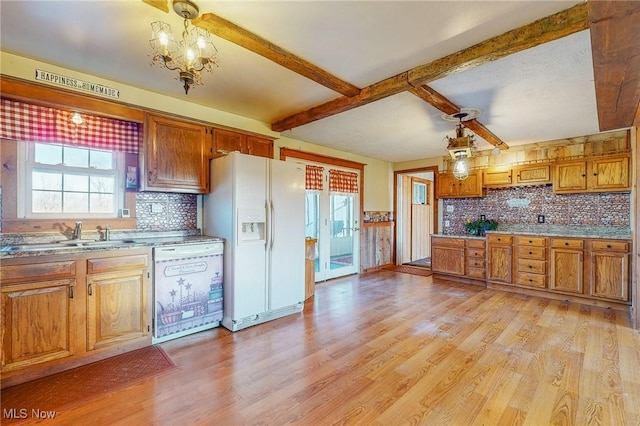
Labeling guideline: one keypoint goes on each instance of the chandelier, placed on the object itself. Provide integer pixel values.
(461, 148)
(189, 56)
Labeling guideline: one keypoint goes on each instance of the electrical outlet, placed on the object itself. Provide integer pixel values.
(449, 208)
(540, 218)
(156, 208)
(446, 223)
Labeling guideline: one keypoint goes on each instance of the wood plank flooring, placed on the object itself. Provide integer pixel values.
(389, 348)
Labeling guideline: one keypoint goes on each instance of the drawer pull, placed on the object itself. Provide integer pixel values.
(608, 245)
(530, 252)
(530, 241)
(566, 244)
(530, 280)
(530, 266)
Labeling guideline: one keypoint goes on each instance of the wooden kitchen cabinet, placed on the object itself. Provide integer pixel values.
(567, 265)
(117, 294)
(475, 258)
(226, 141)
(38, 313)
(447, 186)
(448, 255)
(532, 174)
(497, 177)
(63, 311)
(531, 261)
(609, 269)
(500, 258)
(176, 156)
(602, 174)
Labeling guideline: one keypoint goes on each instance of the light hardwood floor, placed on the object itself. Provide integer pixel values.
(390, 348)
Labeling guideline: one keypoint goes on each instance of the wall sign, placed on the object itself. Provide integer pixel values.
(74, 83)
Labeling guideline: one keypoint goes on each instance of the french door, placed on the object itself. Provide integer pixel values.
(333, 218)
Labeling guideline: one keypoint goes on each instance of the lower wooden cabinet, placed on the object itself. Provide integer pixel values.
(500, 258)
(38, 324)
(62, 311)
(461, 257)
(609, 269)
(567, 265)
(448, 256)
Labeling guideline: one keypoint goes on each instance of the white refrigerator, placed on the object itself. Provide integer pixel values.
(257, 205)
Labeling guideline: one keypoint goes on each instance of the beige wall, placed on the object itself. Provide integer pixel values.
(378, 174)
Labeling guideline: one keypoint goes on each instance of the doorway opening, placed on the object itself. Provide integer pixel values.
(416, 215)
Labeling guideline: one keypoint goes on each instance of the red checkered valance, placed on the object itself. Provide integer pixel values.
(314, 177)
(34, 123)
(340, 181)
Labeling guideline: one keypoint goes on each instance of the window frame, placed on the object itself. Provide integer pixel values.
(26, 162)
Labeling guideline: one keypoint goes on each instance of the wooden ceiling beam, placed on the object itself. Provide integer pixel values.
(616, 61)
(162, 5)
(390, 86)
(431, 96)
(243, 38)
(541, 31)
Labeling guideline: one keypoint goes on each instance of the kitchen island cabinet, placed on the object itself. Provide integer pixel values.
(61, 311)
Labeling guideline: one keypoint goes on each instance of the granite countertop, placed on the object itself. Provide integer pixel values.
(604, 232)
(40, 244)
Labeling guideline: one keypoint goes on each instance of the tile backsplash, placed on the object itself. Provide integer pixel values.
(166, 211)
(522, 205)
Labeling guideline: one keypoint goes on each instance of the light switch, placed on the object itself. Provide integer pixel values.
(156, 208)
(446, 223)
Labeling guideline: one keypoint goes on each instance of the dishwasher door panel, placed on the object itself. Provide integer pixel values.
(188, 295)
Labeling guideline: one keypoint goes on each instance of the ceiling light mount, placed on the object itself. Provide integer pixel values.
(189, 56)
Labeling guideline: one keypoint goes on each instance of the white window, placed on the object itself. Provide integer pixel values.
(70, 181)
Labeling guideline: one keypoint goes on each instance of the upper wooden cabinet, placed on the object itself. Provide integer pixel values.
(602, 174)
(225, 141)
(176, 156)
(526, 174)
(447, 186)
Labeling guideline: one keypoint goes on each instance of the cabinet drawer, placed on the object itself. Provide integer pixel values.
(35, 271)
(109, 264)
(524, 252)
(532, 266)
(447, 242)
(608, 245)
(475, 253)
(531, 280)
(475, 272)
(567, 243)
(531, 241)
(479, 244)
(499, 239)
(475, 263)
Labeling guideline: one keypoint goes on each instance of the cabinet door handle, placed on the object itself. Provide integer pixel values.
(90, 289)
(71, 292)
(584, 175)
(595, 174)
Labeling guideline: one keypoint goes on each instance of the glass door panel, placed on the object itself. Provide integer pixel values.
(343, 227)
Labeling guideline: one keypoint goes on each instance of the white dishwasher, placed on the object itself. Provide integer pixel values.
(187, 289)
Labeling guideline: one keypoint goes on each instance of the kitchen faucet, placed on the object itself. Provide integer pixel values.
(77, 232)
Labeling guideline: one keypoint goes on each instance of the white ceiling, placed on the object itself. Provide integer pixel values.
(543, 93)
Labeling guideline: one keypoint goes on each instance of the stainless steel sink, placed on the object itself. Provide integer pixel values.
(66, 245)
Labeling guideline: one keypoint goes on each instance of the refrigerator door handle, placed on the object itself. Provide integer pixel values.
(273, 225)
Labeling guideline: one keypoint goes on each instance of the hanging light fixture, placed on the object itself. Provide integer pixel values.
(193, 54)
(461, 147)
